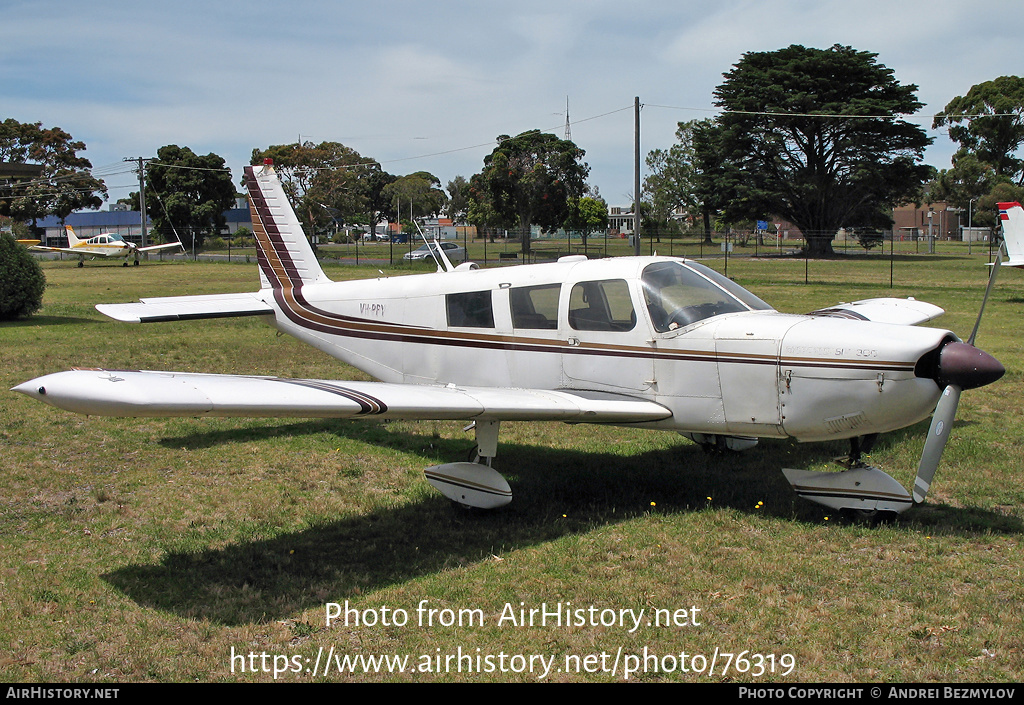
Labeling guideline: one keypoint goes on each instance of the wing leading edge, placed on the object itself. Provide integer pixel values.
(154, 394)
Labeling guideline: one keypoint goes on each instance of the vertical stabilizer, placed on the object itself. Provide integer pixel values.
(285, 256)
(1011, 215)
(72, 238)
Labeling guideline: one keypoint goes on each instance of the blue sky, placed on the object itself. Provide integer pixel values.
(429, 85)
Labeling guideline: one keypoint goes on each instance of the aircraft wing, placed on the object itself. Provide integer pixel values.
(153, 394)
(904, 312)
(185, 308)
(154, 248)
(69, 250)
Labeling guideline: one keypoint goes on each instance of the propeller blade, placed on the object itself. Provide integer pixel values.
(988, 290)
(938, 434)
(960, 366)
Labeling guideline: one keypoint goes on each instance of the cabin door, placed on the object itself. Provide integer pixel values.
(605, 342)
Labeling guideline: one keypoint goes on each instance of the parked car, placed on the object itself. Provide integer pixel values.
(450, 249)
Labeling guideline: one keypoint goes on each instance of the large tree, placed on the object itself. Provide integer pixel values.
(689, 175)
(65, 183)
(190, 194)
(378, 203)
(529, 180)
(322, 181)
(968, 180)
(458, 199)
(419, 193)
(988, 122)
(663, 190)
(587, 216)
(814, 136)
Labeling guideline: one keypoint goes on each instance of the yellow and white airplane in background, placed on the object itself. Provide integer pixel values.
(103, 245)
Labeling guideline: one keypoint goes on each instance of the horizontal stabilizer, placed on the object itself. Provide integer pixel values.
(184, 308)
(904, 312)
(151, 394)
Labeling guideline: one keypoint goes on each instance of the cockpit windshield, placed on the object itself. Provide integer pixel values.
(678, 294)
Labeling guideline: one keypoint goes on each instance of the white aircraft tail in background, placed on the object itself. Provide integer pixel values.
(1011, 215)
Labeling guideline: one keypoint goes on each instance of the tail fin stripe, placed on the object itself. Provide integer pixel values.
(283, 255)
(288, 258)
(274, 254)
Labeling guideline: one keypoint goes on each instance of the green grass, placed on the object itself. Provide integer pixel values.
(148, 549)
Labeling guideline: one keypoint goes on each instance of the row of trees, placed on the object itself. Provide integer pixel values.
(530, 179)
(816, 137)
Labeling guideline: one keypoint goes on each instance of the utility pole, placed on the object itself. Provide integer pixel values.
(636, 177)
(142, 194)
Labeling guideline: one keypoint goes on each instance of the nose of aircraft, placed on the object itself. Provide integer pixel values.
(30, 388)
(967, 367)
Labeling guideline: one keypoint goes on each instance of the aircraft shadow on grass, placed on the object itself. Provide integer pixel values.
(558, 493)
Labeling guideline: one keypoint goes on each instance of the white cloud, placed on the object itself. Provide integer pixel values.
(396, 79)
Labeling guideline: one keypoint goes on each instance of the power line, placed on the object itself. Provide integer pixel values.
(848, 116)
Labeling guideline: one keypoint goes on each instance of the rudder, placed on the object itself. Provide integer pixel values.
(285, 257)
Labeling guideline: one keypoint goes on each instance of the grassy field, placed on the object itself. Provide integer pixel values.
(209, 549)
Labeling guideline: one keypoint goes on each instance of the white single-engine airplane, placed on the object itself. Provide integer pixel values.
(652, 342)
(103, 245)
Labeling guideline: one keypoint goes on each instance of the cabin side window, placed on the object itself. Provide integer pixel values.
(535, 307)
(471, 309)
(601, 305)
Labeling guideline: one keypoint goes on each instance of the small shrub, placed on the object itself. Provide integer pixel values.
(21, 280)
